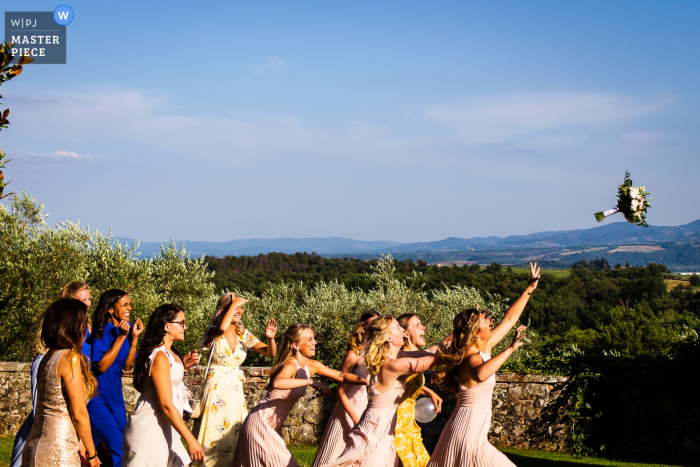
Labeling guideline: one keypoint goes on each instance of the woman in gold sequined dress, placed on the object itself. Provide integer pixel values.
(64, 384)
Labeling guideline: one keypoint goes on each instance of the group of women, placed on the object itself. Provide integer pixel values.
(373, 423)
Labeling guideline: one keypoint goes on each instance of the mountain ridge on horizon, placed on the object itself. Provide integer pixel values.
(613, 233)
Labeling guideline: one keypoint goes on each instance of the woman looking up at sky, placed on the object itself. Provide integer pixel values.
(470, 372)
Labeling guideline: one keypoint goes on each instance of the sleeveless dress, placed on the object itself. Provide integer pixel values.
(464, 440)
(339, 425)
(260, 443)
(371, 442)
(149, 438)
(408, 439)
(52, 439)
(223, 401)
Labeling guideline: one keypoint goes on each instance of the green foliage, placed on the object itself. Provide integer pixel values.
(36, 261)
(694, 280)
(332, 309)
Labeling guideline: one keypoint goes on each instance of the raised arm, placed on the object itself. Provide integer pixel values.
(213, 332)
(160, 373)
(480, 370)
(269, 349)
(513, 314)
(111, 354)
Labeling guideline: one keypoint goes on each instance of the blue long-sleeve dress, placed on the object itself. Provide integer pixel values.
(107, 410)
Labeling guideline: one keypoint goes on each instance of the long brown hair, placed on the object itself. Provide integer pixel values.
(377, 335)
(63, 327)
(357, 338)
(465, 332)
(285, 352)
(154, 336)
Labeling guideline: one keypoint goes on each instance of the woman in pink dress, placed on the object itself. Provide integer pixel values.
(471, 373)
(260, 441)
(371, 441)
(352, 400)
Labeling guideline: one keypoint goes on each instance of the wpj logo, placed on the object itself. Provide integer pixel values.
(39, 34)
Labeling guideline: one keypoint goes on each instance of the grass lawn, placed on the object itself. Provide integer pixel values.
(522, 458)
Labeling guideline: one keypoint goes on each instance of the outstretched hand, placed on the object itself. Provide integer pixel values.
(534, 275)
(271, 329)
(322, 388)
(518, 338)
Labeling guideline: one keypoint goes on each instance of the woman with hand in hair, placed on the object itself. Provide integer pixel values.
(152, 434)
(407, 438)
(371, 442)
(80, 291)
(223, 401)
(260, 443)
(470, 371)
(64, 384)
(352, 400)
(113, 349)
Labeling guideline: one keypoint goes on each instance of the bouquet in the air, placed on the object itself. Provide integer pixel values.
(632, 202)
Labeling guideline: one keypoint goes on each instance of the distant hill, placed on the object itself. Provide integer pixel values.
(324, 246)
(618, 233)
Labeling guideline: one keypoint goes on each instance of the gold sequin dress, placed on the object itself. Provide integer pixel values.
(53, 440)
(407, 439)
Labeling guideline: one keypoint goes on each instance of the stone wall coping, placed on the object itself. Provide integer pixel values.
(263, 372)
(9, 367)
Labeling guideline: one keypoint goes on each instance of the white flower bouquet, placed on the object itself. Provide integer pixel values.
(632, 202)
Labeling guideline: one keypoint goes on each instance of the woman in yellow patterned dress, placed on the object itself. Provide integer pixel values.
(407, 435)
(223, 401)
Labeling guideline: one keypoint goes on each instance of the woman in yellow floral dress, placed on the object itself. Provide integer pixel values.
(407, 434)
(223, 401)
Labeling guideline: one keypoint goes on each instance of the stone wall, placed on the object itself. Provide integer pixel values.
(529, 410)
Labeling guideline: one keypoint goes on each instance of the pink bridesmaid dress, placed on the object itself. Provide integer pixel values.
(339, 425)
(371, 442)
(464, 440)
(260, 442)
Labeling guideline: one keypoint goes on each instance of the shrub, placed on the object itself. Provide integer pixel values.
(695, 280)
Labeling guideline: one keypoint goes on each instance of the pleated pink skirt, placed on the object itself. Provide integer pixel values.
(464, 441)
(339, 425)
(370, 443)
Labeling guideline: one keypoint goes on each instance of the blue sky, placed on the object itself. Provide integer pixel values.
(404, 121)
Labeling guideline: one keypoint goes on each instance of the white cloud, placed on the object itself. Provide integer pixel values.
(503, 119)
(63, 155)
(525, 122)
(272, 63)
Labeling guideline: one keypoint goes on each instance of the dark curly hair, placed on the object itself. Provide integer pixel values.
(153, 337)
(101, 315)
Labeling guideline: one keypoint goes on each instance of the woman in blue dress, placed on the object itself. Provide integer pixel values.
(113, 349)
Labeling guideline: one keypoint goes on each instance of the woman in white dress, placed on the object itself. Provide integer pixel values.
(223, 402)
(152, 434)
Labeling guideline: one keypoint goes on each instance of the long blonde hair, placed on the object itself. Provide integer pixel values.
(285, 352)
(377, 335)
(357, 338)
(68, 291)
(465, 333)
